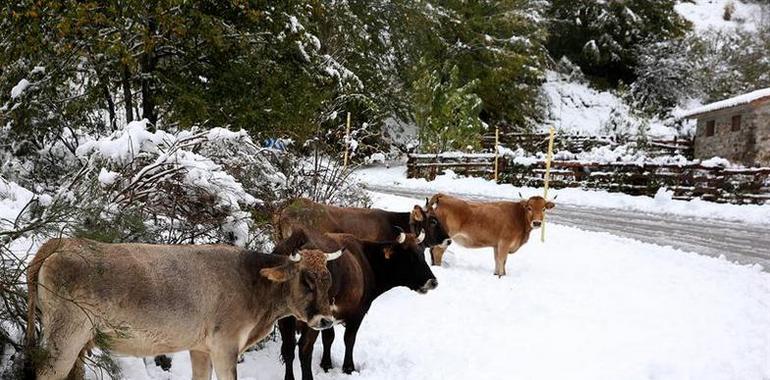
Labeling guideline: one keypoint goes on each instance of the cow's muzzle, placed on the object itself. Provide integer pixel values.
(429, 285)
(321, 322)
(536, 223)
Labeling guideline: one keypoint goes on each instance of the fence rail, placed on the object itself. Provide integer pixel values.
(538, 142)
(724, 185)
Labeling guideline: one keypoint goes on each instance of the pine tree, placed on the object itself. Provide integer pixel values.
(602, 37)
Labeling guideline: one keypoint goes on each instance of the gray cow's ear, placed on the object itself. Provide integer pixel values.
(281, 273)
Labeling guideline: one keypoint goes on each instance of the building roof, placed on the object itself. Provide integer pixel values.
(727, 103)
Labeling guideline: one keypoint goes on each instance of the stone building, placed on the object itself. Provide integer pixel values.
(737, 129)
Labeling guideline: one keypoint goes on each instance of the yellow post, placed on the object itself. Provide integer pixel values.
(497, 143)
(545, 180)
(347, 140)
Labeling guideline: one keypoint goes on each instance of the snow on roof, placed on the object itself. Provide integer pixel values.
(727, 103)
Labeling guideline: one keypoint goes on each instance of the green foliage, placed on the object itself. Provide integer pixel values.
(500, 45)
(447, 111)
(602, 36)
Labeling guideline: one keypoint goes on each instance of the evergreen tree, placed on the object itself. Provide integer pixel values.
(602, 37)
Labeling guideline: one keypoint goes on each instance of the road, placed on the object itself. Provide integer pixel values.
(741, 242)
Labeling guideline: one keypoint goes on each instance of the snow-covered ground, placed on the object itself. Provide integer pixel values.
(709, 14)
(575, 107)
(582, 305)
(395, 177)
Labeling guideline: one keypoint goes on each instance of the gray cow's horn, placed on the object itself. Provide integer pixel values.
(333, 255)
(295, 257)
(401, 238)
(421, 237)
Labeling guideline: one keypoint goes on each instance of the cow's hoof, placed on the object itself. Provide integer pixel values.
(326, 365)
(164, 362)
(348, 369)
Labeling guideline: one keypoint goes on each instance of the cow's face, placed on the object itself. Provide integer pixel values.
(406, 264)
(427, 225)
(308, 282)
(534, 208)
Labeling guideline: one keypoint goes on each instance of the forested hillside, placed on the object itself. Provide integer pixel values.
(290, 69)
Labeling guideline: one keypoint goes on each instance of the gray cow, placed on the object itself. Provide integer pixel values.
(212, 300)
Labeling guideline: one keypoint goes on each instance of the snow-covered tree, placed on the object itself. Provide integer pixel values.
(602, 36)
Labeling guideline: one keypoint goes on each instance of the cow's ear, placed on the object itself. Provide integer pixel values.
(549, 205)
(281, 273)
(418, 214)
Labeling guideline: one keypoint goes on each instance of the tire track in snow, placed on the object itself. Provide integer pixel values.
(741, 242)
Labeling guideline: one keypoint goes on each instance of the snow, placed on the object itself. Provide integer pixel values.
(716, 162)
(574, 107)
(124, 144)
(394, 177)
(13, 198)
(708, 14)
(107, 178)
(727, 103)
(216, 134)
(582, 305)
(19, 88)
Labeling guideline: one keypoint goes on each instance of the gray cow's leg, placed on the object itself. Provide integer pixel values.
(225, 362)
(287, 328)
(201, 365)
(64, 335)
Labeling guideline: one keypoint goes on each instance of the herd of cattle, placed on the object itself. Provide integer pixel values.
(328, 266)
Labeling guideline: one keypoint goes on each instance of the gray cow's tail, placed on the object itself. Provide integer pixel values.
(45, 251)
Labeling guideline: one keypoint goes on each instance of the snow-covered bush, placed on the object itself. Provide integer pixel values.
(184, 187)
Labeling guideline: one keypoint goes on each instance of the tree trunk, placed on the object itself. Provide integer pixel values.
(110, 102)
(127, 97)
(148, 64)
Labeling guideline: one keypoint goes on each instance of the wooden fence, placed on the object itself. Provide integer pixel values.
(750, 185)
(428, 166)
(538, 142)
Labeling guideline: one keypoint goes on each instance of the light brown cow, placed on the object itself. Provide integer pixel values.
(146, 300)
(504, 226)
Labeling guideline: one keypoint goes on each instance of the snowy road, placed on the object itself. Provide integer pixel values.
(742, 242)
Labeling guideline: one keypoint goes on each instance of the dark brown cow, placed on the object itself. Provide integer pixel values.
(365, 270)
(365, 223)
(504, 226)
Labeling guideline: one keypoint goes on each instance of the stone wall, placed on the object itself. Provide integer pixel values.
(762, 127)
(749, 146)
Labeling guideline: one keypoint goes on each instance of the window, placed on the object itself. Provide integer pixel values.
(736, 123)
(710, 126)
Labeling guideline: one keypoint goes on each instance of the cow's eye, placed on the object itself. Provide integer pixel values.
(434, 222)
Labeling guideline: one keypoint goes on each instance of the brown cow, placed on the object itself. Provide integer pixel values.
(504, 226)
(364, 223)
(146, 300)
